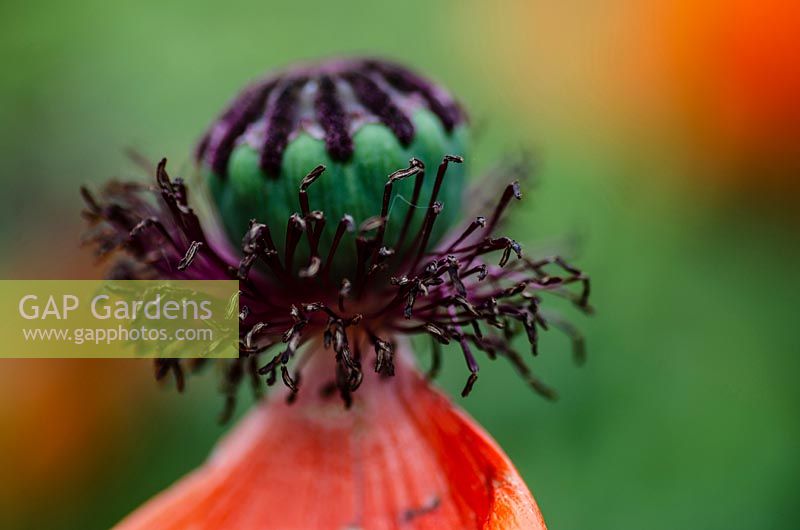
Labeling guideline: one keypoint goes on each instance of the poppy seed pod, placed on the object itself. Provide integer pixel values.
(358, 120)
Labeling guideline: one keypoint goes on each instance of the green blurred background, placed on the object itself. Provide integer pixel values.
(666, 168)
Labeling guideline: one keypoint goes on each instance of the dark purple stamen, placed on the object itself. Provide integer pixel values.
(453, 294)
(436, 359)
(307, 181)
(434, 207)
(191, 253)
(345, 225)
(151, 222)
(379, 252)
(512, 190)
(294, 229)
(384, 355)
(479, 222)
(412, 207)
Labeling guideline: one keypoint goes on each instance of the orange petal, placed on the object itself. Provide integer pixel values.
(403, 457)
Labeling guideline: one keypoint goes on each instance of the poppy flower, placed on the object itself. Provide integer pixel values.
(345, 251)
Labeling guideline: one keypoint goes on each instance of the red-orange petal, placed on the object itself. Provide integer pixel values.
(403, 457)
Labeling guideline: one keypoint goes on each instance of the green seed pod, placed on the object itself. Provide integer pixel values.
(362, 120)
